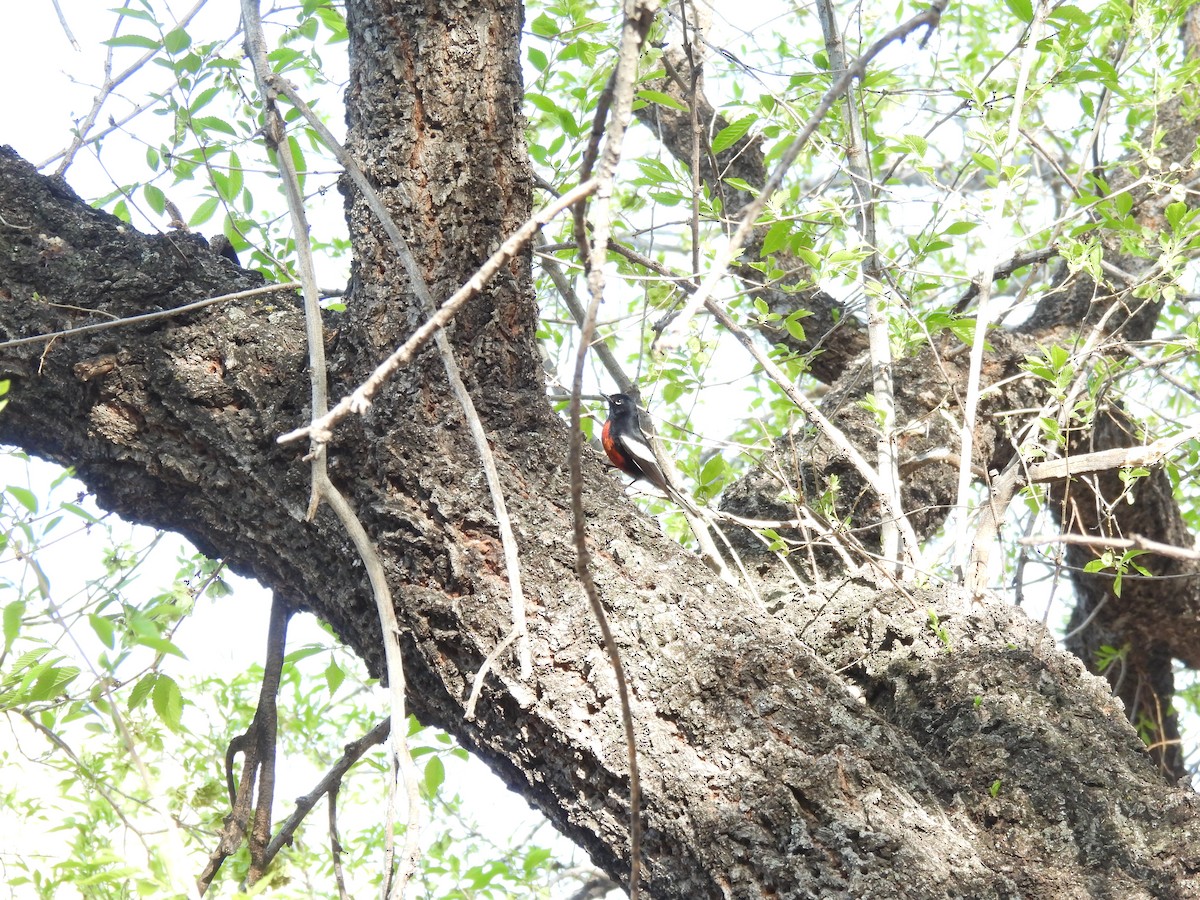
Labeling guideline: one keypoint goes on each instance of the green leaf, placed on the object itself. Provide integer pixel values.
(14, 612)
(168, 701)
(53, 682)
(1071, 14)
(960, 227)
(334, 676)
(1022, 9)
(133, 40)
(77, 510)
(1175, 213)
(776, 237)
(661, 99)
(534, 859)
(335, 22)
(544, 26)
(303, 653)
(203, 99)
(203, 212)
(794, 327)
(25, 497)
(435, 774)
(176, 41)
(129, 12)
(237, 178)
(713, 470)
(103, 627)
(160, 645)
(916, 144)
(538, 59)
(297, 158)
(155, 198)
(142, 689)
(731, 134)
(204, 124)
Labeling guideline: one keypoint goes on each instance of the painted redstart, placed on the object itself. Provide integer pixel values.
(626, 444)
(629, 450)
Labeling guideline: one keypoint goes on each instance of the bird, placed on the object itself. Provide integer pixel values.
(627, 447)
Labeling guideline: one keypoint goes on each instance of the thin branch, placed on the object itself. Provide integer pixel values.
(266, 723)
(1117, 458)
(253, 748)
(1004, 270)
(879, 301)
(359, 400)
(335, 845)
(62, 20)
(673, 335)
(481, 675)
(142, 318)
(1133, 542)
(972, 571)
(328, 784)
(567, 291)
(401, 757)
(639, 14)
(322, 487)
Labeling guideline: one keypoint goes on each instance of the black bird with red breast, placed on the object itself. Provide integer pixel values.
(626, 444)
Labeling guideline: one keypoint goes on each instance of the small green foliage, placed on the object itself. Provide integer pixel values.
(1121, 564)
(939, 629)
(1107, 655)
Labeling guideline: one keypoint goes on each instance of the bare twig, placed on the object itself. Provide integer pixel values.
(328, 784)
(1117, 458)
(335, 845)
(1133, 542)
(567, 291)
(266, 721)
(878, 300)
(1004, 270)
(62, 20)
(987, 264)
(322, 487)
(257, 758)
(639, 14)
(359, 400)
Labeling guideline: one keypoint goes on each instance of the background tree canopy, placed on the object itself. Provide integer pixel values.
(908, 291)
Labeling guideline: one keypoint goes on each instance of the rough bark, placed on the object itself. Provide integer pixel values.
(844, 748)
